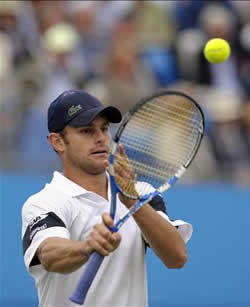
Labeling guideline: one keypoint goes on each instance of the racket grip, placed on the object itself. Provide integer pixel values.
(79, 294)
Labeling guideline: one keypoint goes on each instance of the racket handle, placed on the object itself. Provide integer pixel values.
(79, 294)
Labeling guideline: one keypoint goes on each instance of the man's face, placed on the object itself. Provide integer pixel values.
(87, 147)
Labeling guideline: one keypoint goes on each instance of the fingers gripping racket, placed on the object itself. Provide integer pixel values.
(160, 135)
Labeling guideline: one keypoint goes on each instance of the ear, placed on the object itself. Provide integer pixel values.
(56, 142)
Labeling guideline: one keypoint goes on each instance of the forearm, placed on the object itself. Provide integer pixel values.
(163, 237)
(61, 255)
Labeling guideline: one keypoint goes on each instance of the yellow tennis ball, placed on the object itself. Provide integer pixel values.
(217, 50)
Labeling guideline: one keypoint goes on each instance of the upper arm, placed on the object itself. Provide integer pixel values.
(40, 222)
(185, 229)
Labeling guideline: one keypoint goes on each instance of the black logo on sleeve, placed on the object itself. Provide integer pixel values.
(158, 204)
(39, 223)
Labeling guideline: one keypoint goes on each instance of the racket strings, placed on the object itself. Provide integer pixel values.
(155, 113)
(183, 109)
(144, 147)
(176, 159)
(186, 133)
(160, 138)
(150, 171)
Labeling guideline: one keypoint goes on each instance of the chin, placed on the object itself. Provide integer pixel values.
(98, 170)
(93, 167)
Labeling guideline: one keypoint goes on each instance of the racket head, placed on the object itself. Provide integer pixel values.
(161, 135)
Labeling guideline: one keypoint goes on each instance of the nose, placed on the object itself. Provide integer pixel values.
(100, 136)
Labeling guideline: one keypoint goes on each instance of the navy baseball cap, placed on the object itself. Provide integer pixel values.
(78, 108)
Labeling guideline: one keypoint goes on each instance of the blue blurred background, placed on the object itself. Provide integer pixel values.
(216, 274)
(121, 51)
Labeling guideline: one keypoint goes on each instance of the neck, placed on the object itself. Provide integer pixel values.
(94, 183)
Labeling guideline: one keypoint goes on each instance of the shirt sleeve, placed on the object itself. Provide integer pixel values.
(38, 224)
(185, 229)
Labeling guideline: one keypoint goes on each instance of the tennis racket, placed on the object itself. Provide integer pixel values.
(160, 136)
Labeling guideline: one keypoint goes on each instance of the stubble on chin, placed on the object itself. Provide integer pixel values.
(93, 169)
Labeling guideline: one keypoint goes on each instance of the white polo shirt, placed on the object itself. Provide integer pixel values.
(65, 209)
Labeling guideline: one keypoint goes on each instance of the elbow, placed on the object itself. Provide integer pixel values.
(43, 257)
(51, 267)
(181, 261)
(45, 261)
(178, 262)
(47, 265)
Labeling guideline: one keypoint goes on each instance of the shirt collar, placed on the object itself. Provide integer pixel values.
(66, 185)
(69, 187)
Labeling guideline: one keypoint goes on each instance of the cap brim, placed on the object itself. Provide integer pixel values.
(84, 118)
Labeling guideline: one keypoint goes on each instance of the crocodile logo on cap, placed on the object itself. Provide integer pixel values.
(74, 109)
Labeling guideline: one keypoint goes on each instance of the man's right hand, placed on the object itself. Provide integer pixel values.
(101, 239)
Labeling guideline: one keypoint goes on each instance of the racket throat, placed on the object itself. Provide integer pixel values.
(143, 200)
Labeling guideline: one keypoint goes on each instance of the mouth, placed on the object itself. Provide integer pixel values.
(99, 152)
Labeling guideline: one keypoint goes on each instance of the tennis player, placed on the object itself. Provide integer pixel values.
(67, 220)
